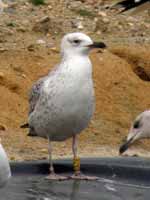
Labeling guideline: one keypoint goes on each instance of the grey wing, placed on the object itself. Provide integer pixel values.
(36, 90)
(140, 5)
(35, 94)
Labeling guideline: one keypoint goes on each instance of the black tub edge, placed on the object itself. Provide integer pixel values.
(121, 167)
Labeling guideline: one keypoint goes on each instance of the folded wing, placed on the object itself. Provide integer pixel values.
(139, 5)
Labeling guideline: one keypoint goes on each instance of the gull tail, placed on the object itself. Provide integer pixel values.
(25, 125)
(31, 130)
(134, 5)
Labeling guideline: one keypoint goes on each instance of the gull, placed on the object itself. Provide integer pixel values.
(139, 5)
(62, 103)
(5, 172)
(139, 129)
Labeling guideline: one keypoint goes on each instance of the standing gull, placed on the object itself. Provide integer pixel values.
(62, 103)
(139, 129)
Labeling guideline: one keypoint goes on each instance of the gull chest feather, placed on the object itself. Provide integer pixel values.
(67, 103)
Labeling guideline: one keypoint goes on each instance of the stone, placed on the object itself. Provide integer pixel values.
(2, 127)
(40, 41)
(101, 13)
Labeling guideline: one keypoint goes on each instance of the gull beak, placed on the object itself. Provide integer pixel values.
(100, 45)
(125, 146)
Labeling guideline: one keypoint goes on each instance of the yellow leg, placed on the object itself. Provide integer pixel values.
(76, 159)
(76, 165)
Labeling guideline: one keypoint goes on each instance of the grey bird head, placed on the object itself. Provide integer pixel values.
(139, 129)
(78, 44)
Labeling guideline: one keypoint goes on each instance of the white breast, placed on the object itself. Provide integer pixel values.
(67, 102)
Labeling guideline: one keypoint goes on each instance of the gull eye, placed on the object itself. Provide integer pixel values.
(76, 41)
(137, 124)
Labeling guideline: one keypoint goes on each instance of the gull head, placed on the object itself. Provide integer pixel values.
(78, 44)
(139, 129)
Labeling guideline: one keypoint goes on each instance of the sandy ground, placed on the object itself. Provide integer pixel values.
(117, 89)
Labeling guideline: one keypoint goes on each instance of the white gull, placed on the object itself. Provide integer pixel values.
(62, 103)
(140, 128)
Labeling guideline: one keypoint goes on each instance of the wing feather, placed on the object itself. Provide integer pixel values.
(129, 4)
(35, 93)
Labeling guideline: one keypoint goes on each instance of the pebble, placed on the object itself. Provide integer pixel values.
(43, 150)
(2, 127)
(2, 75)
(40, 41)
(23, 75)
(50, 7)
(106, 20)
(77, 24)
(31, 47)
(44, 19)
(3, 49)
(21, 29)
(101, 13)
(54, 49)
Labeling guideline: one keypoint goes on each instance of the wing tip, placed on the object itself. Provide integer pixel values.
(25, 125)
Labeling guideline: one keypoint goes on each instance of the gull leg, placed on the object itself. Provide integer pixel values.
(51, 168)
(76, 159)
(52, 175)
(76, 164)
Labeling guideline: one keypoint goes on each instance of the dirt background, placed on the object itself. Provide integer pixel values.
(29, 48)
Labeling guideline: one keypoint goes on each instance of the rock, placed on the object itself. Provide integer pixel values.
(105, 20)
(23, 75)
(3, 49)
(44, 19)
(2, 127)
(75, 4)
(77, 24)
(12, 5)
(2, 75)
(80, 26)
(95, 19)
(91, 2)
(146, 25)
(130, 24)
(100, 26)
(101, 13)
(21, 29)
(50, 7)
(130, 18)
(25, 22)
(43, 150)
(54, 49)
(47, 24)
(40, 41)
(31, 47)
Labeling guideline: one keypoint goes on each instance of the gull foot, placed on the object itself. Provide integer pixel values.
(56, 177)
(84, 177)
